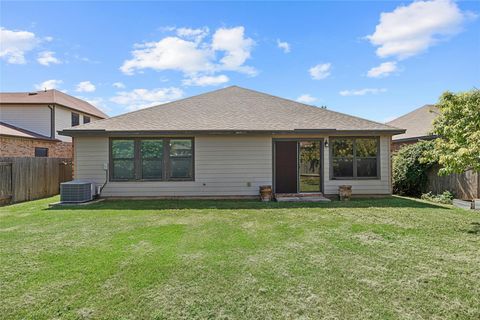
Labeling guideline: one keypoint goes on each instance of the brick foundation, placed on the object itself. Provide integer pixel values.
(25, 147)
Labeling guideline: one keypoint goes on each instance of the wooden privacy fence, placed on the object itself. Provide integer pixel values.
(464, 186)
(23, 179)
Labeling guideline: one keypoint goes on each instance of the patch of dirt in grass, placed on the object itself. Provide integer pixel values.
(85, 313)
(369, 237)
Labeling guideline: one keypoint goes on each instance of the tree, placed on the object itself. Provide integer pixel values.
(457, 147)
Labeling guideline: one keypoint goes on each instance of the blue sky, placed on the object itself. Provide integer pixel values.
(375, 59)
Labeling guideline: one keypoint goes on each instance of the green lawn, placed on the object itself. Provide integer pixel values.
(367, 259)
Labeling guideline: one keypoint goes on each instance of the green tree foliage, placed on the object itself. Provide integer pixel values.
(410, 169)
(457, 147)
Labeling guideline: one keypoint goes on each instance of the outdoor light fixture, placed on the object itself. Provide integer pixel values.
(326, 143)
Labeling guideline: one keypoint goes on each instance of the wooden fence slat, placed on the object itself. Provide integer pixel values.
(464, 186)
(23, 179)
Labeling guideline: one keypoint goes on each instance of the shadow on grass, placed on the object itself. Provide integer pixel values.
(130, 204)
(475, 228)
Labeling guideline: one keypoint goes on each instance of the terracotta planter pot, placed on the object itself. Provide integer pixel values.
(266, 193)
(345, 192)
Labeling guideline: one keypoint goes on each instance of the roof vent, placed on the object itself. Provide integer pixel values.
(32, 93)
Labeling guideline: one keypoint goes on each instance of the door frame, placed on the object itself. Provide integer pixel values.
(322, 151)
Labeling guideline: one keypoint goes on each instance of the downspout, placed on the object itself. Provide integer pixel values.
(52, 120)
(104, 184)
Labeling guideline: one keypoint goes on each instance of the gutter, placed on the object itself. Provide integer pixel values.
(103, 132)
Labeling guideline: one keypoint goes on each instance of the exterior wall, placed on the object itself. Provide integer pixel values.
(224, 166)
(32, 118)
(25, 147)
(63, 120)
(382, 186)
(398, 145)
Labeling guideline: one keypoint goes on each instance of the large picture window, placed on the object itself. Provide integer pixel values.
(151, 159)
(353, 158)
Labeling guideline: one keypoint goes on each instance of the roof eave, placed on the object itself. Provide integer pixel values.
(103, 132)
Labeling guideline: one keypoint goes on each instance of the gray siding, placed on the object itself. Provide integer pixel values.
(224, 166)
(32, 118)
(380, 186)
(63, 120)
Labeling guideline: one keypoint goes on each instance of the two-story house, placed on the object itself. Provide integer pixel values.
(29, 122)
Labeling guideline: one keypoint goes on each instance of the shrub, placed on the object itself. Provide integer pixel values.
(409, 169)
(446, 197)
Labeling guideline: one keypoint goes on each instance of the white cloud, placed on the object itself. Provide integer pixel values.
(193, 34)
(85, 86)
(306, 98)
(383, 70)
(320, 71)
(361, 92)
(47, 57)
(48, 84)
(118, 85)
(285, 46)
(237, 49)
(206, 80)
(144, 98)
(15, 44)
(189, 53)
(412, 29)
(170, 53)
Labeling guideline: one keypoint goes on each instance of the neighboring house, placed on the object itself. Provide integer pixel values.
(227, 143)
(418, 125)
(29, 122)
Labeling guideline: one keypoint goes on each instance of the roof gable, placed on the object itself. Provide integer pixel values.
(418, 123)
(233, 109)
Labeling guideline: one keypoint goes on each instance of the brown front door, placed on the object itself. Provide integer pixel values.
(286, 166)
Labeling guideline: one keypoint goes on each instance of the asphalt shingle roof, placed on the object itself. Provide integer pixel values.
(418, 123)
(233, 109)
(50, 96)
(13, 131)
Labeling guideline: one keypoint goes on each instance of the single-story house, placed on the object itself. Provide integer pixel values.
(418, 125)
(227, 143)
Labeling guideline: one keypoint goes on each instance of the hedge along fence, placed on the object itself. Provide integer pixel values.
(24, 179)
(412, 176)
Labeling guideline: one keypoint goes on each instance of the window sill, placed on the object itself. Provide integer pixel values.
(151, 180)
(355, 178)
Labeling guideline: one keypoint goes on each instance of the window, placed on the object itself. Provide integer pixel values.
(75, 119)
(180, 159)
(86, 119)
(123, 159)
(354, 158)
(41, 152)
(151, 159)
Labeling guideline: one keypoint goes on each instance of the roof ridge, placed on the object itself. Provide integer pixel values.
(414, 110)
(158, 105)
(315, 107)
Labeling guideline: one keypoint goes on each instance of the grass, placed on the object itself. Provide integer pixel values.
(367, 259)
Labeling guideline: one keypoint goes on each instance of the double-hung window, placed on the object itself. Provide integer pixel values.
(353, 158)
(123, 159)
(157, 159)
